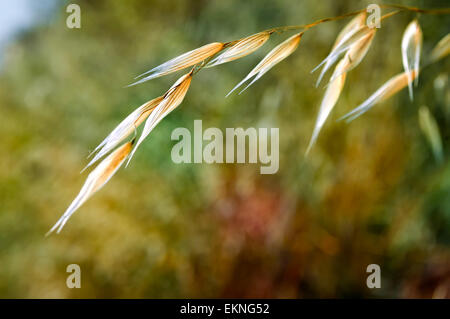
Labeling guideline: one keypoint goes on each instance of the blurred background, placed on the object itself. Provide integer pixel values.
(370, 192)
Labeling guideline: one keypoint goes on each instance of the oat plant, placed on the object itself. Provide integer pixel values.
(349, 49)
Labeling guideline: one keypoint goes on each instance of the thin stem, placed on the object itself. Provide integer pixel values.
(391, 6)
(310, 25)
(414, 9)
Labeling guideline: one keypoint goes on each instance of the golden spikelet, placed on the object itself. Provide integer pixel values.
(352, 58)
(241, 48)
(171, 99)
(411, 47)
(124, 129)
(388, 89)
(275, 56)
(181, 62)
(329, 100)
(354, 25)
(354, 32)
(356, 54)
(95, 180)
(353, 42)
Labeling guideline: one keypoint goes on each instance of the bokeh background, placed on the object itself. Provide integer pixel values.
(369, 192)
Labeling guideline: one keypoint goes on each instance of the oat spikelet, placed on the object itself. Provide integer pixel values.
(345, 44)
(411, 47)
(388, 89)
(96, 179)
(124, 129)
(171, 99)
(356, 54)
(275, 56)
(329, 100)
(241, 48)
(442, 49)
(181, 62)
(352, 58)
(354, 25)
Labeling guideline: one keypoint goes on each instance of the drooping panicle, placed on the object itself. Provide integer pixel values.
(345, 44)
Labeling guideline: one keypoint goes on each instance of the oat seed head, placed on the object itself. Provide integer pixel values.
(353, 41)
